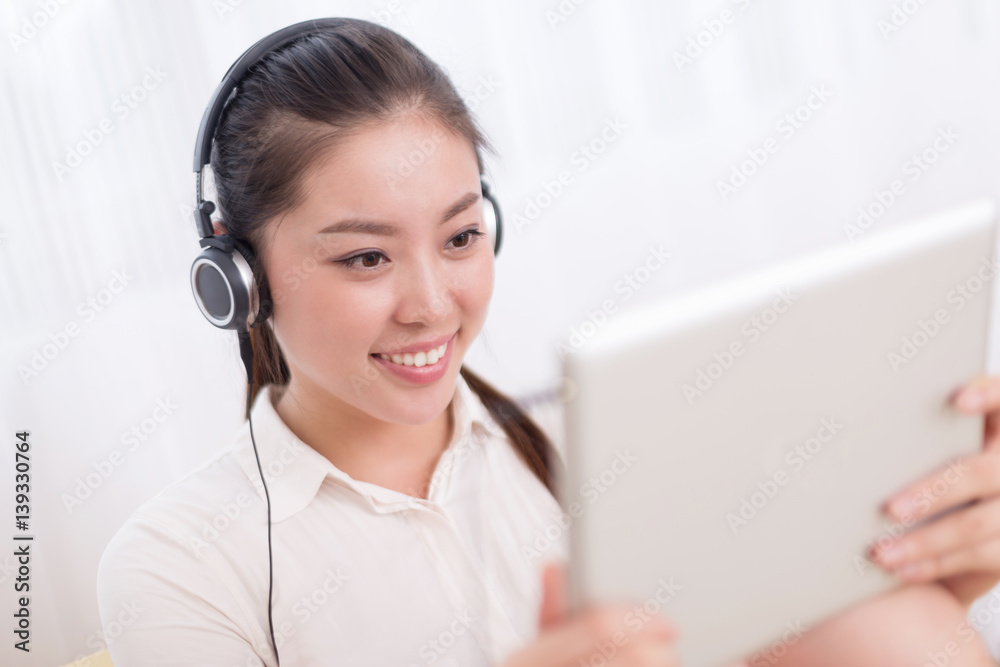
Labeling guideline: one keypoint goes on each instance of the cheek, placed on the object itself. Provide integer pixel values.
(474, 289)
(320, 317)
(336, 311)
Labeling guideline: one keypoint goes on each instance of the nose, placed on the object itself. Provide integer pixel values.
(425, 293)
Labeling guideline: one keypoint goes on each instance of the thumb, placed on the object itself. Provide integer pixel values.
(554, 603)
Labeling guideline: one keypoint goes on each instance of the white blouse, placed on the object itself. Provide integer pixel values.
(363, 575)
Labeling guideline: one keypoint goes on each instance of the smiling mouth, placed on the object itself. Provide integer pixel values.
(418, 359)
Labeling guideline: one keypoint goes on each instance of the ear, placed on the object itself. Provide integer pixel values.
(217, 228)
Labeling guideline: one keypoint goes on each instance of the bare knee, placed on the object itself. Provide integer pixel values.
(911, 626)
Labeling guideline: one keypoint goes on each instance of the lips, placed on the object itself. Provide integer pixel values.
(418, 359)
(426, 346)
(405, 365)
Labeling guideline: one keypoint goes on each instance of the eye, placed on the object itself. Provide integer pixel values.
(365, 261)
(369, 260)
(467, 238)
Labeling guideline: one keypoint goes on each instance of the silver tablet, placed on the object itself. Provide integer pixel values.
(728, 450)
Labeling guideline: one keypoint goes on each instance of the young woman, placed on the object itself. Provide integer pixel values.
(402, 489)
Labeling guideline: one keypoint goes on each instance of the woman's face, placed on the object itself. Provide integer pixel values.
(382, 258)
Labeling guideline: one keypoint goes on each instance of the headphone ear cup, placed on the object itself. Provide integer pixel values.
(224, 288)
(491, 218)
(260, 296)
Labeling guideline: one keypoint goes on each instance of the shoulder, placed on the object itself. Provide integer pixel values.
(219, 485)
(173, 563)
(169, 534)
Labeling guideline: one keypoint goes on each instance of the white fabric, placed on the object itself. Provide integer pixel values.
(363, 575)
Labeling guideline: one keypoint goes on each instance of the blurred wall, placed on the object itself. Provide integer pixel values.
(616, 123)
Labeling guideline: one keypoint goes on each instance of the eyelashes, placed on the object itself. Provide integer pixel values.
(354, 262)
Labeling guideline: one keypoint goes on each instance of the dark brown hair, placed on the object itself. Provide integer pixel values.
(293, 106)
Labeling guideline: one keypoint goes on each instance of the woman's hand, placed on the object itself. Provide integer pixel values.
(961, 549)
(596, 635)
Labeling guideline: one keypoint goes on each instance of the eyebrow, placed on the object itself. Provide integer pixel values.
(368, 226)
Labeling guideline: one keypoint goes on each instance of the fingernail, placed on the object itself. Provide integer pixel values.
(973, 399)
(893, 554)
(910, 571)
(899, 506)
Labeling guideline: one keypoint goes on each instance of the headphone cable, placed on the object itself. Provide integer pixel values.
(246, 353)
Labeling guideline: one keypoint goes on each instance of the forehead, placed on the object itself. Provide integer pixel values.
(411, 161)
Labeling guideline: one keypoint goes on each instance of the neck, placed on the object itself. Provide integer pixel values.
(401, 457)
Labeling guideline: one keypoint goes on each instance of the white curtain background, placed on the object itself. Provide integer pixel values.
(544, 78)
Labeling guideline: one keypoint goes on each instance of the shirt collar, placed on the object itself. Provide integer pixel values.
(294, 471)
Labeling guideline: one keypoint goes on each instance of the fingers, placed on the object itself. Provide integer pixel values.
(963, 480)
(981, 557)
(554, 602)
(660, 655)
(966, 540)
(600, 635)
(980, 395)
(622, 643)
(976, 524)
(610, 634)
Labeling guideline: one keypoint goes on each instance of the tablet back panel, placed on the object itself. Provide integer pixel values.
(728, 450)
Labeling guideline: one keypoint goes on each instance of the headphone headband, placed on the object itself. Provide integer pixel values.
(225, 90)
(203, 144)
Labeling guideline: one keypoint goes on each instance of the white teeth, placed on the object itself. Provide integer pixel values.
(419, 359)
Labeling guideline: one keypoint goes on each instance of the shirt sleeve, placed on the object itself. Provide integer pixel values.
(162, 604)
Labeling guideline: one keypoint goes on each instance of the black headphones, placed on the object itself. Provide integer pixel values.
(222, 277)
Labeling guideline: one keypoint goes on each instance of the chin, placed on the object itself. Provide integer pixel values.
(421, 404)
